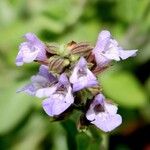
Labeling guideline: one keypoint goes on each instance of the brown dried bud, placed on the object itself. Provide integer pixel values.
(97, 70)
(71, 45)
(57, 64)
(82, 49)
(52, 48)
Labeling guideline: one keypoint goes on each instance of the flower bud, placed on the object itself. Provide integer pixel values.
(57, 64)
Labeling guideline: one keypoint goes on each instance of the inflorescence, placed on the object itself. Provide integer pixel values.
(67, 77)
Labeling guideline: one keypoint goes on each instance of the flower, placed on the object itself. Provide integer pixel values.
(32, 49)
(40, 84)
(107, 49)
(103, 114)
(60, 99)
(82, 77)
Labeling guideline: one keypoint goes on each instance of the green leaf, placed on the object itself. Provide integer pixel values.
(123, 88)
(87, 141)
(30, 136)
(89, 29)
(13, 108)
(82, 141)
(135, 10)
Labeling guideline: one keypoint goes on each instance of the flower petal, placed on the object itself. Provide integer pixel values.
(124, 54)
(73, 78)
(46, 92)
(29, 56)
(19, 59)
(107, 122)
(102, 42)
(32, 49)
(112, 54)
(82, 77)
(53, 106)
(69, 97)
(31, 37)
(44, 71)
(111, 108)
(63, 79)
(29, 89)
(48, 106)
(107, 49)
(90, 115)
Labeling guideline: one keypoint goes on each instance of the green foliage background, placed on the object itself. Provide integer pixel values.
(23, 124)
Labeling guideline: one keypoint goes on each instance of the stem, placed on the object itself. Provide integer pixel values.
(105, 142)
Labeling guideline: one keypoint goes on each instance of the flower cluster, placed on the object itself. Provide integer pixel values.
(67, 77)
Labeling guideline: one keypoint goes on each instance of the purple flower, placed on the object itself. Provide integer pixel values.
(41, 83)
(107, 49)
(60, 99)
(32, 49)
(103, 114)
(82, 77)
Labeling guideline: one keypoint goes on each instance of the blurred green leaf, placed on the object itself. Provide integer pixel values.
(13, 108)
(123, 88)
(82, 141)
(30, 136)
(131, 8)
(148, 86)
(82, 32)
(144, 54)
(86, 142)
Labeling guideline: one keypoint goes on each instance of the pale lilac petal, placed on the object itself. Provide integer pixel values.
(99, 99)
(103, 114)
(84, 82)
(33, 40)
(42, 85)
(80, 83)
(36, 44)
(82, 63)
(104, 34)
(82, 77)
(31, 37)
(46, 92)
(90, 115)
(69, 97)
(112, 54)
(28, 52)
(59, 99)
(111, 108)
(107, 122)
(44, 71)
(108, 49)
(102, 42)
(74, 77)
(91, 83)
(29, 56)
(48, 106)
(63, 79)
(124, 54)
(101, 60)
(91, 77)
(60, 107)
(19, 59)
(77, 87)
(29, 89)
(39, 81)
(32, 49)
(55, 105)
